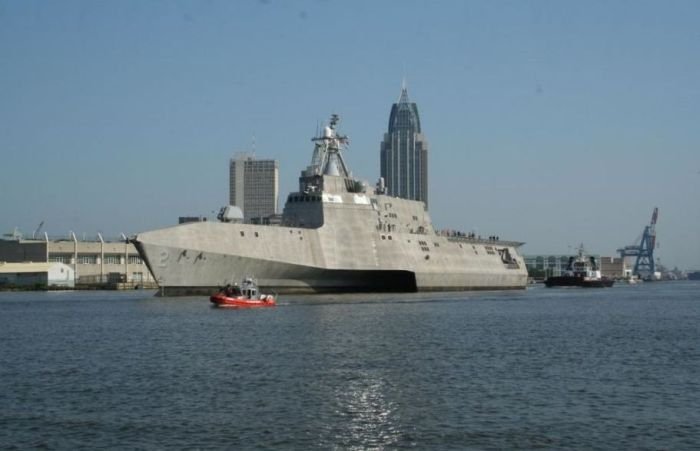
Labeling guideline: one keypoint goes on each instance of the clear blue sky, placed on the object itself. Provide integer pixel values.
(550, 122)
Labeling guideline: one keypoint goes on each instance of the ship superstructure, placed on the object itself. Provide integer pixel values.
(337, 234)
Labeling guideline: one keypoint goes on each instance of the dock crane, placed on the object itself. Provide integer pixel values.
(37, 230)
(644, 251)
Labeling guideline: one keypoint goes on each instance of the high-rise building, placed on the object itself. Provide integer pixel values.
(254, 186)
(404, 152)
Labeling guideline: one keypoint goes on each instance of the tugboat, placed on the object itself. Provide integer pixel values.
(582, 272)
(245, 296)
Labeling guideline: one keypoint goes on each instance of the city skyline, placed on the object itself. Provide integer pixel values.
(554, 124)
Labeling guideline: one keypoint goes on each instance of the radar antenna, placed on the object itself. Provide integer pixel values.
(328, 157)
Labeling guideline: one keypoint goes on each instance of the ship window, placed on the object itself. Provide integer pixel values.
(301, 238)
(242, 233)
(256, 234)
(390, 237)
(383, 237)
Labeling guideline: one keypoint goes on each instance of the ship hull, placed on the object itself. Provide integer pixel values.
(199, 258)
(336, 234)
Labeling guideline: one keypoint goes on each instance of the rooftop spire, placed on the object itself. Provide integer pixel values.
(403, 98)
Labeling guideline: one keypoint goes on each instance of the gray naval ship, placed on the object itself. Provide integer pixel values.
(337, 234)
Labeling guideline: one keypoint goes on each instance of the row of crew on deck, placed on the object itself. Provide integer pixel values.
(470, 235)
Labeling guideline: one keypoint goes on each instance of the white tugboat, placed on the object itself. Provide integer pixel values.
(582, 271)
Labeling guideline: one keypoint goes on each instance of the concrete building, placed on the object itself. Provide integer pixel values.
(254, 186)
(404, 152)
(614, 268)
(94, 261)
(36, 274)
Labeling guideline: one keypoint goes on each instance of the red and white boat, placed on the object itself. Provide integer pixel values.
(244, 296)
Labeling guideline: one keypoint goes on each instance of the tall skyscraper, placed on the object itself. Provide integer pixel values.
(254, 186)
(404, 152)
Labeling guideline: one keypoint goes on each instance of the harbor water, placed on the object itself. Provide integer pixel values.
(615, 368)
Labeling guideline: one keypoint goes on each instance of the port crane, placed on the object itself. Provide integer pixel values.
(644, 251)
(37, 230)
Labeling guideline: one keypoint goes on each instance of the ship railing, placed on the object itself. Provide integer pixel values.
(477, 240)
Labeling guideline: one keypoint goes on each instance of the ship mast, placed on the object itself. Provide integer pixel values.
(328, 158)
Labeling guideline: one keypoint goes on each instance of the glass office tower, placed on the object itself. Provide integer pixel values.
(404, 152)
